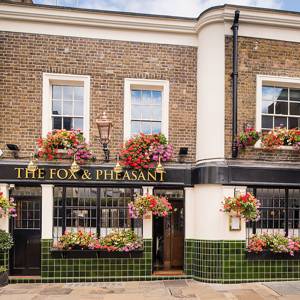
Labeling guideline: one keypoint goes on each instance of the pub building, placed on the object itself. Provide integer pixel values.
(198, 81)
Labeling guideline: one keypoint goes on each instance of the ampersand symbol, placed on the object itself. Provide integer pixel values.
(86, 175)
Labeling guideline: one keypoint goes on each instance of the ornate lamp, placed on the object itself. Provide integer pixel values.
(159, 168)
(74, 166)
(118, 168)
(104, 127)
(32, 165)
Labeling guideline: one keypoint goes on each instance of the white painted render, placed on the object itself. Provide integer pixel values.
(147, 222)
(204, 219)
(47, 210)
(4, 222)
(211, 93)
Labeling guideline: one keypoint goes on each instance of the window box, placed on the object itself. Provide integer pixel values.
(55, 253)
(268, 255)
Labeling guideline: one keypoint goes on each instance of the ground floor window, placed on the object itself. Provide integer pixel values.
(280, 211)
(96, 210)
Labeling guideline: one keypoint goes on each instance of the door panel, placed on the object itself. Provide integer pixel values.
(26, 253)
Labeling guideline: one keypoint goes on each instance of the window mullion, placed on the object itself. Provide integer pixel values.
(98, 213)
(64, 210)
(286, 225)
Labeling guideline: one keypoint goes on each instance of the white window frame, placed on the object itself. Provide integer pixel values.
(50, 79)
(272, 80)
(133, 83)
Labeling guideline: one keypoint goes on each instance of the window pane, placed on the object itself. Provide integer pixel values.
(135, 127)
(135, 112)
(294, 95)
(281, 108)
(156, 127)
(267, 122)
(56, 107)
(67, 123)
(267, 107)
(68, 107)
(56, 92)
(146, 127)
(156, 113)
(146, 97)
(273, 93)
(78, 123)
(57, 123)
(68, 92)
(294, 123)
(295, 109)
(78, 93)
(156, 97)
(280, 122)
(136, 96)
(78, 108)
(146, 112)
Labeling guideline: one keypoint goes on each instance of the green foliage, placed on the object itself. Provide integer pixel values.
(6, 241)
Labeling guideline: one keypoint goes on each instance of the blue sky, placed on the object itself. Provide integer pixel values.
(185, 8)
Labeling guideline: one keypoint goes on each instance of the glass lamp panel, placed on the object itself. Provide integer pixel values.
(281, 108)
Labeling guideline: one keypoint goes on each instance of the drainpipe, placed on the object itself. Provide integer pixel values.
(234, 76)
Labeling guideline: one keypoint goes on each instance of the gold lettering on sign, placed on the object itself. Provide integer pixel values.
(52, 173)
(151, 176)
(126, 176)
(99, 173)
(110, 173)
(28, 173)
(19, 172)
(141, 175)
(41, 173)
(134, 175)
(162, 176)
(86, 175)
(72, 175)
(62, 174)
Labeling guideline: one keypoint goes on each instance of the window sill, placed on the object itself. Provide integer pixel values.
(258, 145)
(55, 253)
(268, 255)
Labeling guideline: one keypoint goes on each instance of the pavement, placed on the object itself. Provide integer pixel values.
(152, 290)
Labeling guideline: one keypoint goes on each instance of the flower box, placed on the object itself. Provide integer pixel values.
(269, 255)
(57, 253)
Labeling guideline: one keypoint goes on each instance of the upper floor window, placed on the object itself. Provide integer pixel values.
(66, 102)
(278, 102)
(145, 107)
(67, 107)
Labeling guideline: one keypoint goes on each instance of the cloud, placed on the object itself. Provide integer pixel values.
(185, 8)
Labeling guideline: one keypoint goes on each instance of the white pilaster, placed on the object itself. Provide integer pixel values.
(47, 210)
(147, 223)
(190, 213)
(4, 222)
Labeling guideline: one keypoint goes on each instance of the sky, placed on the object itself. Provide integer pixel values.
(183, 8)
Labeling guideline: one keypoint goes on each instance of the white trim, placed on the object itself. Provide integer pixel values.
(162, 85)
(4, 222)
(52, 78)
(270, 79)
(47, 210)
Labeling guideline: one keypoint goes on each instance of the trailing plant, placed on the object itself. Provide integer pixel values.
(64, 143)
(3, 269)
(158, 206)
(275, 242)
(246, 206)
(6, 241)
(7, 207)
(248, 137)
(144, 150)
(123, 240)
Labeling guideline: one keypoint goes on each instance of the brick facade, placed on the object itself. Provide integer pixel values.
(25, 57)
(264, 57)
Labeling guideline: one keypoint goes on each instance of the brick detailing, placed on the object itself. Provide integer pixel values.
(225, 262)
(25, 57)
(257, 56)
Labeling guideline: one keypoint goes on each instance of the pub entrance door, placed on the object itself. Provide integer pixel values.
(168, 239)
(25, 258)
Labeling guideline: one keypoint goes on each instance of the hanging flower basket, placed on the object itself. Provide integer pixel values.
(245, 206)
(142, 205)
(7, 207)
(143, 151)
(60, 144)
(248, 138)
